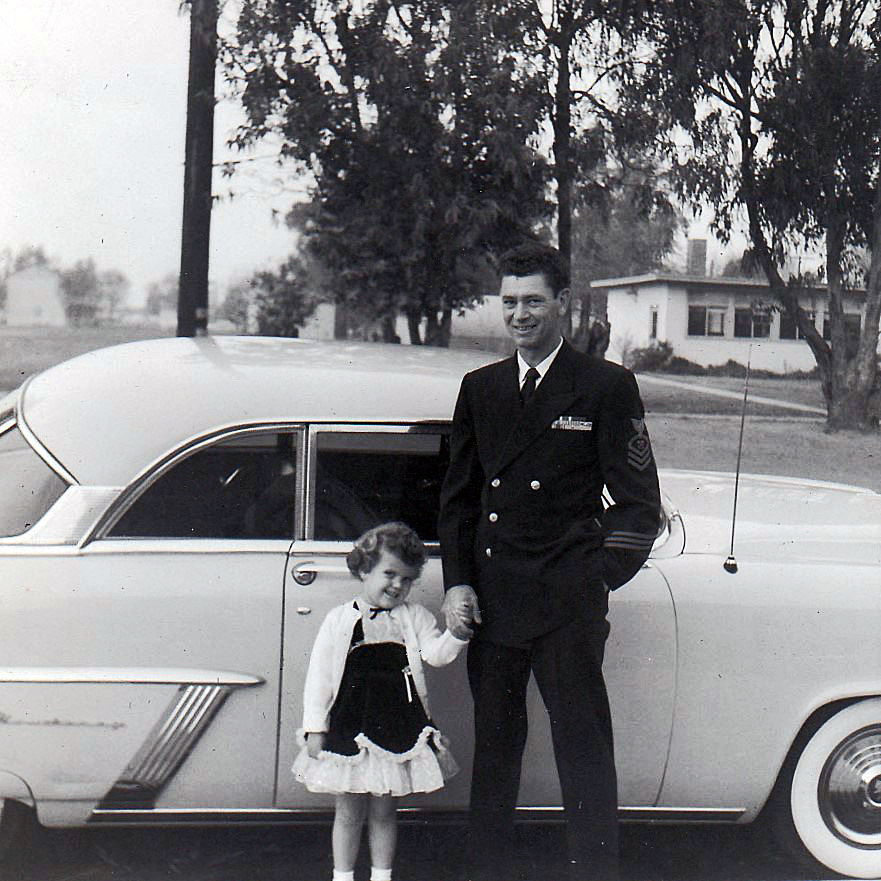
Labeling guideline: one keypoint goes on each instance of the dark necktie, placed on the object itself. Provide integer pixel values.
(374, 611)
(528, 389)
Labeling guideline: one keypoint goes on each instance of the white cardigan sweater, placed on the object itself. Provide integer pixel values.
(423, 640)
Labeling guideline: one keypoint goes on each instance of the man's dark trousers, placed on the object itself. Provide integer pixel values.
(567, 663)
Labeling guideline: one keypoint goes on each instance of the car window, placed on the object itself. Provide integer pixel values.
(240, 487)
(28, 486)
(366, 478)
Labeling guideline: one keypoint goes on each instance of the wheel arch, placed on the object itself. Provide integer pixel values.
(808, 729)
(775, 813)
(16, 788)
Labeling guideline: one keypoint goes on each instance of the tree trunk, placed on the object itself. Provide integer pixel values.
(389, 333)
(562, 157)
(437, 333)
(413, 319)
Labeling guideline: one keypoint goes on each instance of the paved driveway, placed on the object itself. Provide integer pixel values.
(425, 853)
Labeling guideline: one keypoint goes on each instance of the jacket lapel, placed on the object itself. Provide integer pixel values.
(554, 395)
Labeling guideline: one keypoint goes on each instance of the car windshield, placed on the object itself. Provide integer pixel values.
(28, 486)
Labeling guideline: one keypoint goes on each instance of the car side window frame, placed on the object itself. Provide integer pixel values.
(157, 469)
(316, 429)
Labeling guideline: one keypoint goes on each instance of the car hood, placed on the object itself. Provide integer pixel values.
(777, 517)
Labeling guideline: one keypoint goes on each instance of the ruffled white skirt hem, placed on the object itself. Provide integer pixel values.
(374, 770)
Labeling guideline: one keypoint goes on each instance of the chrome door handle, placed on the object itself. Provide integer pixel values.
(302, 575)
(305, 572)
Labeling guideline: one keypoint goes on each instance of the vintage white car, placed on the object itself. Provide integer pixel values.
(175, 516)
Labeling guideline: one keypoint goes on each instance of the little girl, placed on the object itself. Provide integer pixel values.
(368, 733)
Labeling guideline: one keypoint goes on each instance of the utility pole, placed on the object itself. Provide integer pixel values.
(192, 300)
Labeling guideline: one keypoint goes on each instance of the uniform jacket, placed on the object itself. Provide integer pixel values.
(422, 640)
(522, 518)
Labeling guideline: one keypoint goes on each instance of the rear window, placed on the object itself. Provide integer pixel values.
(28, 486)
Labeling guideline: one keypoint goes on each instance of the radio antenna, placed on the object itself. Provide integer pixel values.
(730, 564)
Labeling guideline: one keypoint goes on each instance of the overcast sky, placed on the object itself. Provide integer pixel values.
(92, 124)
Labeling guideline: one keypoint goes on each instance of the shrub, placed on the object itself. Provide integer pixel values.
(654, 357)
(660, 359)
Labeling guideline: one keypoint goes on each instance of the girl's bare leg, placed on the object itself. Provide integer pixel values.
(383, 830)
(351, 808)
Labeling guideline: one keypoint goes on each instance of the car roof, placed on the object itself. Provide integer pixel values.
(107, 414)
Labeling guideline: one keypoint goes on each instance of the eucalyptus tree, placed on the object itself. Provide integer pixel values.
(779, 100)
(418, 129)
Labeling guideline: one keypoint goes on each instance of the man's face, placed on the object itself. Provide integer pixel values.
(533, 315)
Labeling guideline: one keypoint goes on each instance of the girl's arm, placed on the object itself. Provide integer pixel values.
(318, 688)
(437, 647)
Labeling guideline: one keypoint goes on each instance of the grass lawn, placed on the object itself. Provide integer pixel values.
(791, 447)
(28, 350)
(688, 429)
(668, 399)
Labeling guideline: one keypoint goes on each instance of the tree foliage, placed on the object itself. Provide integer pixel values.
(284, 299)
(82, 292)
(417, 126)
(780, 104)
(162, 294)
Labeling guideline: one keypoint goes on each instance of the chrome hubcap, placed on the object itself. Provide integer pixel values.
(849, 789)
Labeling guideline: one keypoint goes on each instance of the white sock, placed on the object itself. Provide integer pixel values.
(380, 874)
(339, 875)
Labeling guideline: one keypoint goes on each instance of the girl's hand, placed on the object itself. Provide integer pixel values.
(314, 743)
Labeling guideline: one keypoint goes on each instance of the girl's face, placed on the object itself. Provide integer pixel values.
(387, 584)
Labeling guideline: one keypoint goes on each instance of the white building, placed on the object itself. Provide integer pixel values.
(713, 320)
(34, 298)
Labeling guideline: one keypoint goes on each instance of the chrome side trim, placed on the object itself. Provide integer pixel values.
(35, 442)
(292, 816)
(167, 746)
(156, 469)
(134, 676)
(113, 546)
(680, 815)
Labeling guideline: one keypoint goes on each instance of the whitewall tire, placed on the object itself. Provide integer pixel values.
(835, 791)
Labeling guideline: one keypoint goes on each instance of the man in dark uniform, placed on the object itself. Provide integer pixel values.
(529, 556)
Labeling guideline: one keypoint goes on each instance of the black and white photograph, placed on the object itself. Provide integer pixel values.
(439, 440)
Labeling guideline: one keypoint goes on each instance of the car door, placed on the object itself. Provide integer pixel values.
(359, 476)
(178, 599)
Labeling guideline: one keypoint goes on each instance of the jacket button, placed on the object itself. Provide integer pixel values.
(495, 482)
(535, 485)
(489, 552)
(493, 517)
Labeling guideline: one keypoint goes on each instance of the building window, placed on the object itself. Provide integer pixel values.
(852, 325)
(788, 328)
(743, 322)
(653, 323)
(697, 320)
(706, 321)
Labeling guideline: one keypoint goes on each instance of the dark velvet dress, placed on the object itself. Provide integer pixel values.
(379, 738)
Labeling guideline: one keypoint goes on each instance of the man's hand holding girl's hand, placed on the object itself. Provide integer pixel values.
(461, 611)
(314, 743)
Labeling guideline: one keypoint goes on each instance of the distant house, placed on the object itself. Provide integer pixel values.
(713, 320)
(34, 298)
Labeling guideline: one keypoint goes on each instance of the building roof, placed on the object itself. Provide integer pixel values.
(702, 281)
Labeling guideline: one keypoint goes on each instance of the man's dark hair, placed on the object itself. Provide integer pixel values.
(532, 258)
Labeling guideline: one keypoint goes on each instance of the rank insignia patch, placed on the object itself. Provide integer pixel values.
(639, 449)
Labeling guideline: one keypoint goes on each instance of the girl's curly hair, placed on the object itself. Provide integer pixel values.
(396, 538)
